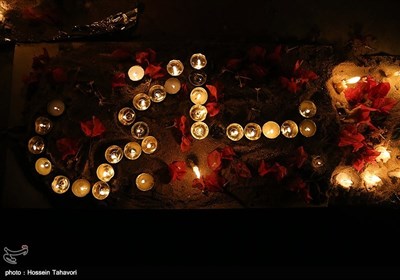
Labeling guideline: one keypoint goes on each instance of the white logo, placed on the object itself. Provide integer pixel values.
(10, 254)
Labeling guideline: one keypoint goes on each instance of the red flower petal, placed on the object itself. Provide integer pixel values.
(155, 71)
(93, 127)
(241, 169)
(118, 80)
(278, 170)
(257, 71)
(299, 186)
(300, 157)
(228, 153)
(354, 95)
(351, 137)
(177, 170)
(384, 105)
(213, 93)
(213, 109)
(379, 91)
(121, 54)
(297, 65)
(186, 141)
(367, 155)
(182, 124)
(276, 55)
(67, 147)
(59, 75)
(214, 160)
(212, 182)
(146, 57)
(291, 84)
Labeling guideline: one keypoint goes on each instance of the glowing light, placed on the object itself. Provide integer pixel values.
(353, 80)
(371, 180)
(196, 171)
(384, 154)
(344, 180)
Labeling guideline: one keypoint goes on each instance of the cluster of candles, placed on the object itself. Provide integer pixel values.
(371, 177)
(272, 130)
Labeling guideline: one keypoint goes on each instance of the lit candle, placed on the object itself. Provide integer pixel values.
(234, 131)
(101, 190)
(149, 144)
(308, 128)
(43, 166)
(157, 93)
(199, 130)
(132, 150)
(172, 85)
(289, 129)
(175, 67)
(136, 73)
(197, 78)
(252, 131)
(198, 61)
(317, 162)
(198, 95)
(342, 85)
(105, 172)
(126, 116)
(141, 101)
(113, 154)
(307, 109)
(81, 187)
(43, 125)
(36, 145)
(139, 130)
(144, 182)
(344, 180)
(55, 107)
(271, 130)
(198, 112)
(60, 184)
(384, 155)
(371, 180)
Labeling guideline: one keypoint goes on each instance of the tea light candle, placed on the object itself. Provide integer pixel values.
(60, 184)
(36, 145)
(199, 130)
(43, 125)
(317, 162)
(113, 154)
(344, 180)
(307, 109)
(175, 67)
(252, 131)
(149, 144)
(81, 187)
(43, 166)
(136, 73)
(198, 95)
(234, 131)
(289, 129)
(126, 116)
(100, 190)
(140, 130)
(172, 86)
(144, 182)
(308, 128)
(271, 130)
(197, 78)
(198, 61)
(105, 172)
(384, 155)
(132, 150)
(198, 112)
(371, 180)
(157, 93)
(55, 107)
(141, 101)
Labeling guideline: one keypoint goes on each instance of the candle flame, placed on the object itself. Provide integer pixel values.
(196, 171)
(371, 180)
(384, 155)
(344, 180)
(353, 80)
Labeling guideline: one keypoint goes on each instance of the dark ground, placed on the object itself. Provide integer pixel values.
(356, 243)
